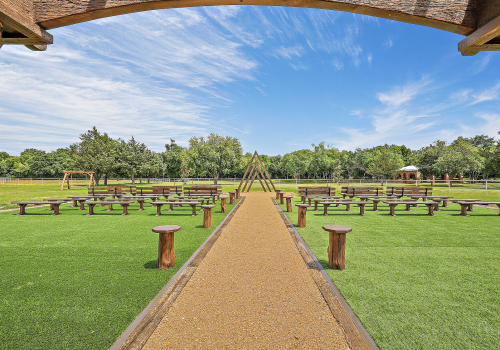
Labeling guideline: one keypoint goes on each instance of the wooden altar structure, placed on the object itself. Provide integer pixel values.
(67, 174)
(258, 170)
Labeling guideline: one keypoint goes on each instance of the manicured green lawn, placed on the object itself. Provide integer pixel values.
(76, 282)
(415, 281)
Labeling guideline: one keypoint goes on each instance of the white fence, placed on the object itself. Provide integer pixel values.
(292, 184)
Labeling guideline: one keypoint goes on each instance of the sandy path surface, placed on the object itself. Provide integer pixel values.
(251, 291)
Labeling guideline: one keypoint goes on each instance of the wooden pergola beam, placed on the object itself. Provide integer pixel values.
(477, 41)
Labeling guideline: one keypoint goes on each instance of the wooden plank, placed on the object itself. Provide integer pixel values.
(249, 176)
(267, 174)
(481, 36)
(246, 171)
(263, 178)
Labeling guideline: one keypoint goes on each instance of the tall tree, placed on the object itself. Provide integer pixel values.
(214, 154)
(460, 157)
(385, 164)
(173, 158)
(134, 157)
(95, 152)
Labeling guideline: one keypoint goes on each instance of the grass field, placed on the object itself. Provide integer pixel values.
(415, 281)
(76, 282)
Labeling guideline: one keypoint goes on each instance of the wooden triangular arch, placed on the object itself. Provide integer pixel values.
(258, 170)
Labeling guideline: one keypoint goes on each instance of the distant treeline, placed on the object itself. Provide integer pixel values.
(218, 156)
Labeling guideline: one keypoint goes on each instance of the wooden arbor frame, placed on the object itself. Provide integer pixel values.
(68, 173)
(258, 170)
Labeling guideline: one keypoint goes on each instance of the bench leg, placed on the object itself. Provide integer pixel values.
(375, 206)
(436, 207)
(348, 207)
(56, 209)
(470, 207)
(125, 211)
(74, 204)
(193, 207)
(141, 205)
(325, 209)
(392, 207)
(463, 209)
(361, 209)
(91, 209)
(315, 206)
(22, 209)
(158, 209)
(431, 210)
(408, 207)
(498, 205)
(171, 207)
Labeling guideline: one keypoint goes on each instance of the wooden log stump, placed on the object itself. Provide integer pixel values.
(278, 193)
(238, 193)
(166, 251)
(336, 247)
(288, 203)
(281, 197)
(301, 222)
(207, 215)
(232, 197)
(223, 205)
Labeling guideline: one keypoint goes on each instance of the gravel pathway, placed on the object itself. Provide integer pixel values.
(251, 291)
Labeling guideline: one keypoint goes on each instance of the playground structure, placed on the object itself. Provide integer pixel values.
(258, 170)
(67, 175)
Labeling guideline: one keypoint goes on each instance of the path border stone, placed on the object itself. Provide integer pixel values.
(139, 331)
(356, 334)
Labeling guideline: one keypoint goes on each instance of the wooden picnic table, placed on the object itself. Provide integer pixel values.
(54, 204)
(124, 205)
(465, 205)
(158, 206)
(392, 205)
(347, 203)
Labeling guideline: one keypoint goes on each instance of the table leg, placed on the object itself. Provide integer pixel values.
(315, 205)
(193, 207)
(348, 207)
(82, 205)
(470, 207)
(408, 207)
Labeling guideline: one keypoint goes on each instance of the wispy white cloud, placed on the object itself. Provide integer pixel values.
(490, 94)
(403, 94)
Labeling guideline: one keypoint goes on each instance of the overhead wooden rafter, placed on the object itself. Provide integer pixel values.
(258, 171)
(483, 39)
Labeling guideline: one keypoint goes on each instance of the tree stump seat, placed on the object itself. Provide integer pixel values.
(301, 222)
(207, 215)
(223, 203)
(288, 203)
(336, 246)
(166, 251)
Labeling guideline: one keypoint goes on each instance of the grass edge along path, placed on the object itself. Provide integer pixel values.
(415, 281)
(139, 331)
(75, 281)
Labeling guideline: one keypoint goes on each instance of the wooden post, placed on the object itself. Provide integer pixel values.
(207, 215)
(281, 197)
(278, 193)
(223, 205)
(288, 203)
(302, 214)
(166, 251)
(336, 247)
(238, 193)
(232, 196)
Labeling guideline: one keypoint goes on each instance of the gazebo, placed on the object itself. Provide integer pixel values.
(408, 173)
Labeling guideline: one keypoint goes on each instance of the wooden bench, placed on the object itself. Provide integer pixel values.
(465, 206)
(315, 192)
(316, 200)
(354, 191)
(53, 204)
(401, 191)
(93, 192)
(360, 204)
(392, 206)
(203, 191)
(122, 189)
(123, 203)
(169, 189)
(158, 206)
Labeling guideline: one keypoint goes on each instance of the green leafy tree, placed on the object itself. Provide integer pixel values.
(385, 164)
(173, 158)
(460, 157)
(427, 158)
(95, 152)
(134, 157)
(214, 154)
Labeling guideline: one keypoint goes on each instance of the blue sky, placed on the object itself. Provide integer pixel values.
(277, 78)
